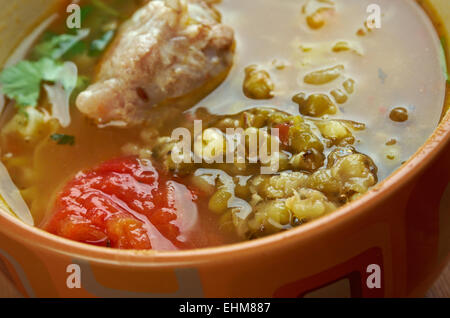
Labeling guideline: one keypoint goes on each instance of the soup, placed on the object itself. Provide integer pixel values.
(175, 125)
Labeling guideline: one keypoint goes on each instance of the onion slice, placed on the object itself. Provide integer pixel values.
(59, 96)
(22, 50)
(16, 205)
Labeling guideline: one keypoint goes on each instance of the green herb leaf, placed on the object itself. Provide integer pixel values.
(57, 46)
(99, 45)
(85, 12)
(52, 71)
(22, 82)
(62, 139)
(49, 69)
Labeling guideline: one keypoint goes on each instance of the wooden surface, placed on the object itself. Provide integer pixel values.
(441, 289)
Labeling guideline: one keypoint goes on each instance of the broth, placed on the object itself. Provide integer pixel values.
(388, 50)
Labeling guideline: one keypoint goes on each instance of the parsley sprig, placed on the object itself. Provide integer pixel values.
(22, 82)
(62, 139)
(58, 46)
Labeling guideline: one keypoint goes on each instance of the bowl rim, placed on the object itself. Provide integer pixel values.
(438, 142)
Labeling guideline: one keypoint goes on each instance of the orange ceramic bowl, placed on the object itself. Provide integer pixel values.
(390, 243)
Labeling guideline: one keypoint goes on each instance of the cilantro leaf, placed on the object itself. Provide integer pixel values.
(62, 139)
(77, 49)
(99, 45)
(49, 69)
(86, 12)
(56, 46)
(22, 82)
(53, 71)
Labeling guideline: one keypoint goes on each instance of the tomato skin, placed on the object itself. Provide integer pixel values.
(284, 133)
(124, 203)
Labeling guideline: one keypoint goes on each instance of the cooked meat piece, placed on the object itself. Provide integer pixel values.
(167, 50)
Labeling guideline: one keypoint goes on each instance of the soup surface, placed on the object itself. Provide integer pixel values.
(345, 105)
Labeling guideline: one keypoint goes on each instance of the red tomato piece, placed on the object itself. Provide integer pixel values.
(284, 133)
(126, 203)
